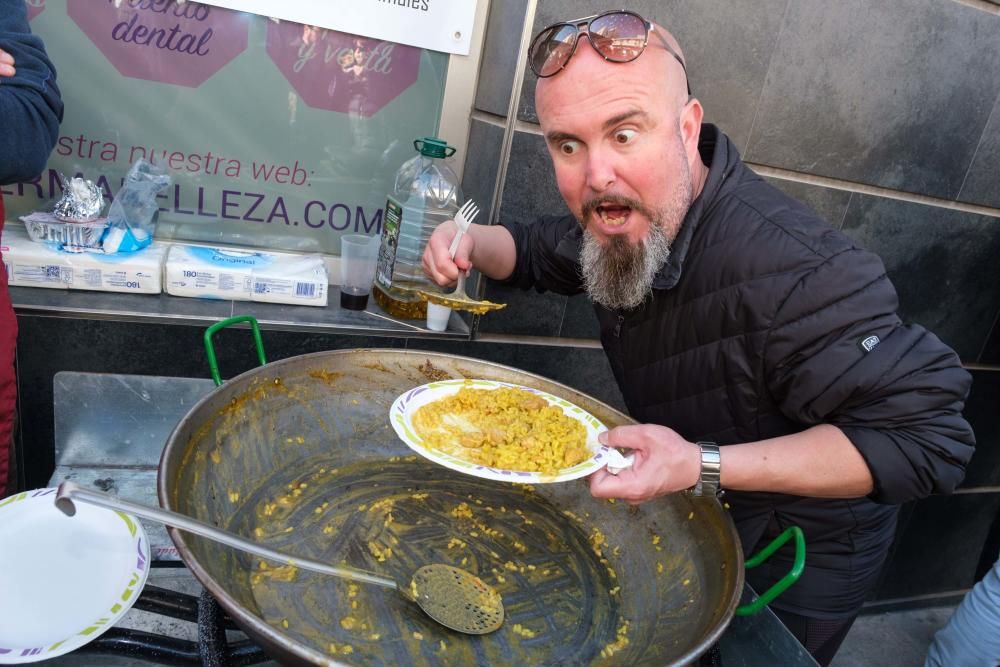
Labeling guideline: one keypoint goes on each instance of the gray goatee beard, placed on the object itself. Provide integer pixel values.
(620, 275)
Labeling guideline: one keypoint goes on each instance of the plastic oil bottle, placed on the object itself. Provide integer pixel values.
(425, 194)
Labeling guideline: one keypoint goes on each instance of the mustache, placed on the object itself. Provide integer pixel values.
(590, 206)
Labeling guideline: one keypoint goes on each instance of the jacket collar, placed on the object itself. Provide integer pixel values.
(721, 157)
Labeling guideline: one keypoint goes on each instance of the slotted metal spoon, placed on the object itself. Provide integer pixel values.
(453, 597)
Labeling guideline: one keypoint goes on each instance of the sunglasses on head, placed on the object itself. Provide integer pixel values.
(619, 36)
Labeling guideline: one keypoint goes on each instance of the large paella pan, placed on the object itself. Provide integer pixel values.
(299, 455)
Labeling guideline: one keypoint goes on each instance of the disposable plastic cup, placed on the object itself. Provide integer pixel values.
(437, 316)
(358, 259)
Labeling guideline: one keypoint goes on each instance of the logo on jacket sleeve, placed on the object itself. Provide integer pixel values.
(868, 343)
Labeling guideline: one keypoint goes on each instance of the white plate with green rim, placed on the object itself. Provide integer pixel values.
(65, 580)
(405, 406)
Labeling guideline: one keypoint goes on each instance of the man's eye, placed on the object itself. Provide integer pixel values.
(569, 147)
(625, 136)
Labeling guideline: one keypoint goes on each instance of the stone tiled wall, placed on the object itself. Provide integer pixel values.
(884, 117)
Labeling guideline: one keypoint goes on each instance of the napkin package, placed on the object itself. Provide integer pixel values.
(217, 273)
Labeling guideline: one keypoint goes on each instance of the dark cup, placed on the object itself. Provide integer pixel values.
(352, 299)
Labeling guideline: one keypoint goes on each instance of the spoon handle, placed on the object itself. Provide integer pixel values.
(70, 492)
(459, 292)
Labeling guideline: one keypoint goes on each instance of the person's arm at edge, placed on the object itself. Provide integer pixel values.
(6, 64)
(29, 100)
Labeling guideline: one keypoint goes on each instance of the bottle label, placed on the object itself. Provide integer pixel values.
(390, 242)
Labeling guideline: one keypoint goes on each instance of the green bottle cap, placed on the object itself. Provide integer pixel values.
(433, 147)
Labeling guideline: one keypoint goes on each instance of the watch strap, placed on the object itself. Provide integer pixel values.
(711, 471)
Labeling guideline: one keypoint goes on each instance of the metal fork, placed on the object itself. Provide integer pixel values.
(463, 219)
(458, 298)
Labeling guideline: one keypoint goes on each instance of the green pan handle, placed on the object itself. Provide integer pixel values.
(213, 364)
(782, 585)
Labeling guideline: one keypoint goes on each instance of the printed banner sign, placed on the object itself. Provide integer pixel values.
(192, 42)
(341, 72)
(440, 25)
(276, 134)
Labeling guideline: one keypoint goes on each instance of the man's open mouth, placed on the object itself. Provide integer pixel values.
(613, 215)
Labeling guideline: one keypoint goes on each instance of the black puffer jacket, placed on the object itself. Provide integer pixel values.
(762, 323)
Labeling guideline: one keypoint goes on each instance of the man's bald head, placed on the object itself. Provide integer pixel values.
(677, 79)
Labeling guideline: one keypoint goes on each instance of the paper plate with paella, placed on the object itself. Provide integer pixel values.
(501, 431)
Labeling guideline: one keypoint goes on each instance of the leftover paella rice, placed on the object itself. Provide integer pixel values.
(507, 428)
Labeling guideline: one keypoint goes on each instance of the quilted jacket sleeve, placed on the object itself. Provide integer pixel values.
(899, 403)
(546, 255)
(30, 105)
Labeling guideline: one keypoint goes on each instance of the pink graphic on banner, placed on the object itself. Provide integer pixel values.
(341, 72)
(160, 40)
(35, 7)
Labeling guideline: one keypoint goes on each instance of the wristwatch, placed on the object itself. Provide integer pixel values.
(711, 471)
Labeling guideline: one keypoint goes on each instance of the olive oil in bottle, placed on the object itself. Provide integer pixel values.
(425, 193)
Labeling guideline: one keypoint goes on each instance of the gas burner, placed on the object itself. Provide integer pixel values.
(212, 648)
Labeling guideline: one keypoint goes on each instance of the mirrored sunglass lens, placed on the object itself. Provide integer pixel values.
(552, 49)
(618, 37)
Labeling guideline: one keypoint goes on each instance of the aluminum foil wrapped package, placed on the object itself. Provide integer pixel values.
(82, 201)
(44, 227)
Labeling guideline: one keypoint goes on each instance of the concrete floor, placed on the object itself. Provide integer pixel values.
(896, 639)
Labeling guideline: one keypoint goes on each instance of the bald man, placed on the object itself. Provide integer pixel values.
(758, 347)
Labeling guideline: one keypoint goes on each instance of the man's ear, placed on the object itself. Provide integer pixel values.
(690, 122)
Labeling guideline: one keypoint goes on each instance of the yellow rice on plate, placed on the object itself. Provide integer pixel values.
(505, 428)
